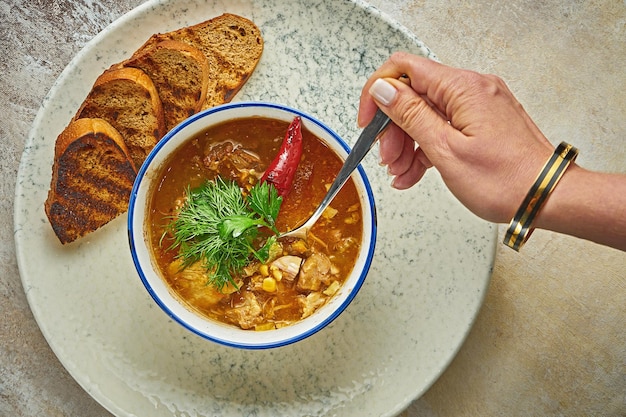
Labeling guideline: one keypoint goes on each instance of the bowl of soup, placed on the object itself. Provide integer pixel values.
(206, 215)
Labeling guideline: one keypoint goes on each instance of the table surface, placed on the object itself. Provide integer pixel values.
(549, 339)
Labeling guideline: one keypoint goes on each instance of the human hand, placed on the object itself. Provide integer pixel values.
(467, 125)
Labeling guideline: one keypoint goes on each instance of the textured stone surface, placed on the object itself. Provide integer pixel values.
(549, 339)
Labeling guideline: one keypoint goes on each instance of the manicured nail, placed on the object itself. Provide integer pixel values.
(383, 91)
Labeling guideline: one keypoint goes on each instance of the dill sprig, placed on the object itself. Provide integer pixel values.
(218, 226)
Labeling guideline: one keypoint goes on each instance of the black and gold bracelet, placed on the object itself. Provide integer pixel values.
(520, 227)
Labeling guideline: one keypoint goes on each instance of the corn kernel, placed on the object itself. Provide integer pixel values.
(264, 270)
(269, 284)
(277, 274)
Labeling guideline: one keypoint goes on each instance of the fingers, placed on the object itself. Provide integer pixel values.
(404, 160)
(468, 125)
(392, 144)
(419, 108)
(425, 77)
(416, 117)
(413, 174)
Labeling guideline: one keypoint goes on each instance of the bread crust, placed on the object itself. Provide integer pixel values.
(81, 127)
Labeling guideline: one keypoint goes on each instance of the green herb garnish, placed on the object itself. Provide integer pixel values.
(218, 226)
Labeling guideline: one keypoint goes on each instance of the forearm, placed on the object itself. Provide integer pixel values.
(588, 205)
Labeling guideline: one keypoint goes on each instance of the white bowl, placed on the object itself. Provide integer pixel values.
(155, 284)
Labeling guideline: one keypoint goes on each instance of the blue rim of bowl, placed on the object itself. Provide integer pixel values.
(274, 344)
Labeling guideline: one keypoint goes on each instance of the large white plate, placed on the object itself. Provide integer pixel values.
(431, 268)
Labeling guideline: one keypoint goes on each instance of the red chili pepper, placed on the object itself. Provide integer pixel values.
(282, 169)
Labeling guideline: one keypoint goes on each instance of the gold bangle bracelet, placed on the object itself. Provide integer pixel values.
(520, 227)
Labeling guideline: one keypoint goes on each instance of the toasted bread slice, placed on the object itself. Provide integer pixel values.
(129, 101)
(234, 42)
(123, 117)
(92, 177)
(180, 73)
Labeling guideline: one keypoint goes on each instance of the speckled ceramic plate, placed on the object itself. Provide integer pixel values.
(430, 271)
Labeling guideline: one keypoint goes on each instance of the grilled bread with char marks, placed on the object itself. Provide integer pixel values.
(180, 73)
(92, 178)
(129, 101)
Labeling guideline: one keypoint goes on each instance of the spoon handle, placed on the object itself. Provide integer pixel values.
(359, 150)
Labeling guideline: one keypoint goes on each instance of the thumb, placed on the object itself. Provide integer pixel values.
(415, 115)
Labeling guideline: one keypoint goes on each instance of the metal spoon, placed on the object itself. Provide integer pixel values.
(359, 150)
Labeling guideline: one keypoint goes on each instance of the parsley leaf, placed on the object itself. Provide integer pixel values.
(264, 200)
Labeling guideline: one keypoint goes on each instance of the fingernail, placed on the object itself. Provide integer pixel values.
(383, 91)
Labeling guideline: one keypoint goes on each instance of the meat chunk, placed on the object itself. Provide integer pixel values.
(315, 271)
(288, 265)
(246, 313)
(310, 303)
(242, 159)
(192, 281)
(230, 160)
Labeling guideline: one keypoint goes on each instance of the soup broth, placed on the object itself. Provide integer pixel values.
(301, 275)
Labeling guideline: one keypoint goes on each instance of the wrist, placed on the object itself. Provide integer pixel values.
(588, 205)
(524, 221)
(562, 203)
